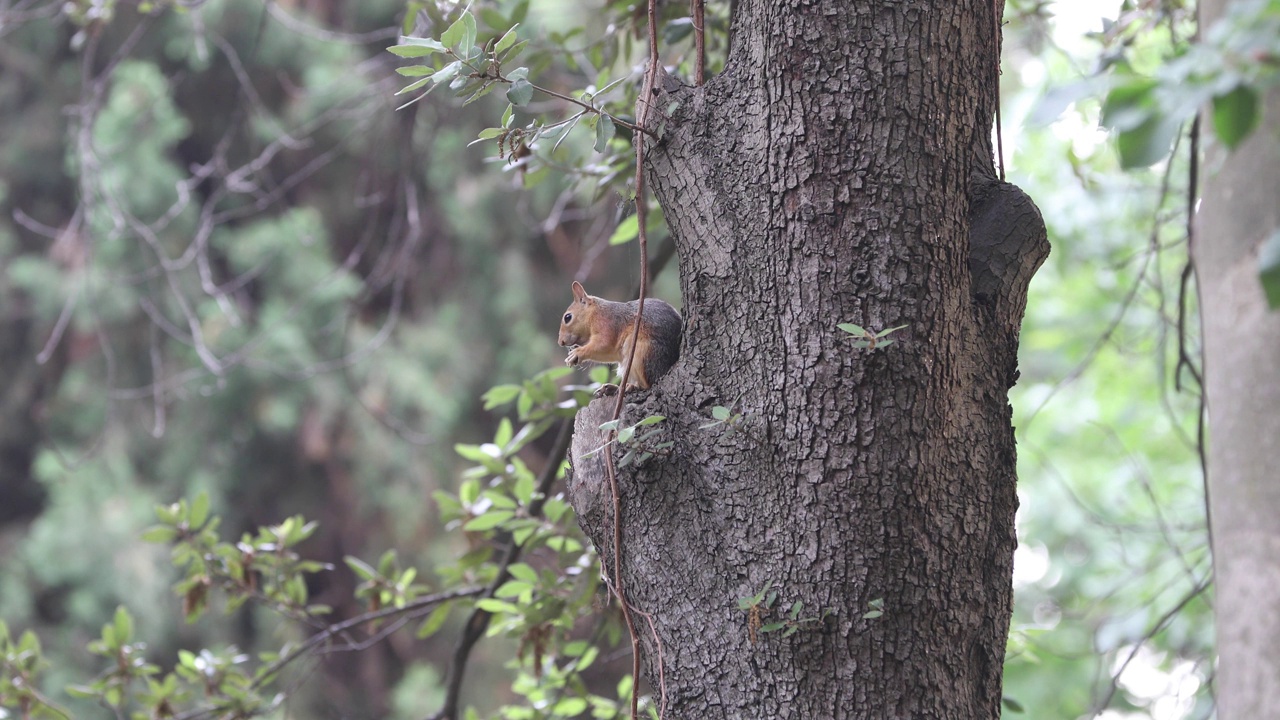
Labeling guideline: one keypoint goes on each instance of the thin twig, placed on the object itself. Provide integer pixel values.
(357, 621)
(1155, 628)
(633, 127)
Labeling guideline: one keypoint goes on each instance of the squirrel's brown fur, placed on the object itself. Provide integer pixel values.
(600, 330)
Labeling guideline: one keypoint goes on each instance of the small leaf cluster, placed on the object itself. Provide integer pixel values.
(498, 493)
(867, 339)
(218, 683)
(640, 445)
(723, 416)
(875, 609)
(387, 585)
(473, 71)
(264, 566)
(760, 605)
(21, 663)
(561, 692)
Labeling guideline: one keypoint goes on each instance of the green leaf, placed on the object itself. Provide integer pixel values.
(82, 691)
(1147, 144)
(452, 37)
(199, 510)
(415, 70)
(651, 420)
(468, 29)
(1145, 131)
(469, 491)
(852, 329)
(523, 488)
(387, 563)
(413, 86)
(564, 544)
(498, 500)
(512, 588)
(872, 614)
(1011, 705)
(497, 606)
(168, 514)
(1130, 103)
(485, 89)
(522, 571)
(1236, 115)
(488, 521)
(506, 40)
(159, 534)
(449, 505)
(434, 621)
(570, 707)
(554, 509)
(514, 51)
(361, 568)
(626, 231)
(625, 434)
(416, 47)
(720, 412)
(123, 625)
(504, 433)
(1269, 269)
(446, 73)
(520, 92)
(604, 132)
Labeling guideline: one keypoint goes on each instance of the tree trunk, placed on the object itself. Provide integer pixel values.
(839, 170)
(1238, 213)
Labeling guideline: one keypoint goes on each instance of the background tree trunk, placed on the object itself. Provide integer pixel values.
(839, 170)
(1238, 213)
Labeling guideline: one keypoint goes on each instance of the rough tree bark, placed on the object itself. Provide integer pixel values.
(1238, 213)
(838, 170)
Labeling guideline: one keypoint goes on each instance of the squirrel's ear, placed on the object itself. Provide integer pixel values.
(579, 293)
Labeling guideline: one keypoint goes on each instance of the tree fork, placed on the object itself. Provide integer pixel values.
(832, 173)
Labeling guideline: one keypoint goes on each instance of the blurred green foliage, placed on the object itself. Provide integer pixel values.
(1111, 608)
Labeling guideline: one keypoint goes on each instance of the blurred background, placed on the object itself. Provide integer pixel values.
(229, 264)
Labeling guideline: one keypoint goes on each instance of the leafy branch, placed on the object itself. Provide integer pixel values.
(474, 72)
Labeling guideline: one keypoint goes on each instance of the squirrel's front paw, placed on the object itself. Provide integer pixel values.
(573, 358)
(607, 390)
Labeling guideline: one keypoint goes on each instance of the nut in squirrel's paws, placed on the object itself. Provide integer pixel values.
(573, 358)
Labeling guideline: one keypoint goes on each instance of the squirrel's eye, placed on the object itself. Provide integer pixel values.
(568, 318)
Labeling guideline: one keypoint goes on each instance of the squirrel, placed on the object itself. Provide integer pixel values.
(600, 330)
